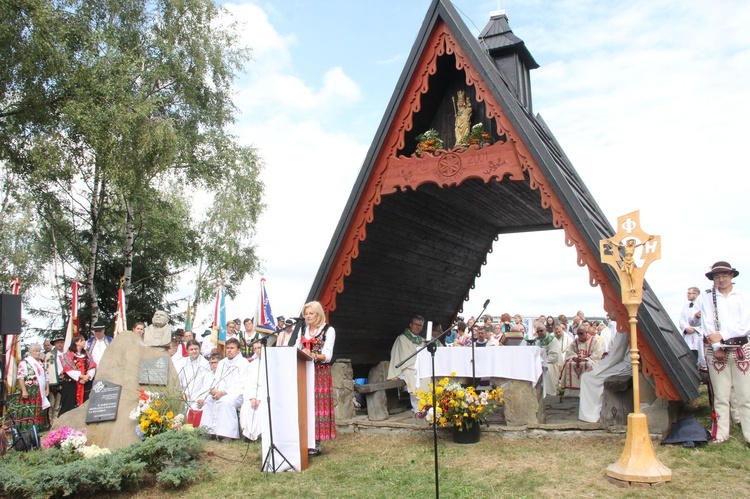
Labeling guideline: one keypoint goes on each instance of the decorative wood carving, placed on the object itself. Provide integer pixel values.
(449, 168)
(452, 167)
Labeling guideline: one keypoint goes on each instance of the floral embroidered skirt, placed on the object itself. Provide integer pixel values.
(30, 411)
(325, 416)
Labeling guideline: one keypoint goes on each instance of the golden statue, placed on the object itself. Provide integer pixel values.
(462, 108)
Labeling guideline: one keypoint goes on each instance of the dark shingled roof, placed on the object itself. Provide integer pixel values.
(424, 247)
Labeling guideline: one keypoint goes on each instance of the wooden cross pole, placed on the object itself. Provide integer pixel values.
(629, 252)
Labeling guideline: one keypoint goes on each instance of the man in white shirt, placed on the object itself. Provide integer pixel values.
(228, 388)
(285, 334)
(97, 343)
(252, 405)
(692, 335)
(723, 313)
(207, 346)
(195, 380)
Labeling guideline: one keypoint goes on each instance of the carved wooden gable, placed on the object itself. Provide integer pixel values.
(499, 165)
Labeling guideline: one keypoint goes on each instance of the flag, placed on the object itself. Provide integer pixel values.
(189, 319)
(120, 319)
(219, 334)
(73, 326)
(13, 345)
(266, 323)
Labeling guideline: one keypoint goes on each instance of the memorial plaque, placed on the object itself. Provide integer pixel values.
(103, 402)
(154, 371)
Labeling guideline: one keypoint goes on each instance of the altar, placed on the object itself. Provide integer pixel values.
(517, 362)
(516, 369)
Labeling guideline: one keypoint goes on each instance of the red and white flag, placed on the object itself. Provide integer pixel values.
(120, 319)
(13, 345)
(73, 326)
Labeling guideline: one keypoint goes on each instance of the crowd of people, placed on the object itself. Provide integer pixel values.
(579, 355)
(571, 348)
(223, 387)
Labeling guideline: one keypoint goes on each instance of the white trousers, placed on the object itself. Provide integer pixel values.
(224, 422)
(733, 374)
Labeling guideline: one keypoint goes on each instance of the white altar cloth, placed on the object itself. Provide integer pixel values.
(516, 362)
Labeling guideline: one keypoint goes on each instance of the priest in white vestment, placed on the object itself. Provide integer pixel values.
(592, 382)
(228, 388)
(195, 380)
(580, 357)
(405, 345)
(252, 409)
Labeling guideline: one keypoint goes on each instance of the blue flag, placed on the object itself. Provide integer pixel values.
(266, 323)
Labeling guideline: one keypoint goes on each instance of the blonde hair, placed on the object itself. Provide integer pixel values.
(317, 308)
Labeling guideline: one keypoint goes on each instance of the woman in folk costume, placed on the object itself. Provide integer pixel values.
(33, 380)
(317, 341)
(78, 374)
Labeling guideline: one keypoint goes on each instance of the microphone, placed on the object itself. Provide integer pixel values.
(296, 319)
(486, 303)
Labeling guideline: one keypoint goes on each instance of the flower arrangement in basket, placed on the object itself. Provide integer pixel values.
(155, 414)
(478, 136)
(428, 142)
(456, 405)
(71, 440)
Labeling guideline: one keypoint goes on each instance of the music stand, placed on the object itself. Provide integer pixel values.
(272, 449)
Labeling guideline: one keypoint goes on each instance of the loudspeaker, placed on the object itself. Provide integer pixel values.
(10, 314)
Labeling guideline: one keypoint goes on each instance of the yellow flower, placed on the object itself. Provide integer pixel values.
(170, 415)
(439, 390)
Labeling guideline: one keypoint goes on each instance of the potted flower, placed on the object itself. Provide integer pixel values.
(462, 408)
(478, 136)
(428, 142)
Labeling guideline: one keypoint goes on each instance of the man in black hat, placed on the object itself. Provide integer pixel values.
(53, 360)
(97, 342)
(723, 312)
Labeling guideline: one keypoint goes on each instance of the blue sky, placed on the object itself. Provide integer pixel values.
(649, 99)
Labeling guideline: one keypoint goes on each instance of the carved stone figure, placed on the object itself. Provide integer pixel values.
(159, 332)
(462, 108)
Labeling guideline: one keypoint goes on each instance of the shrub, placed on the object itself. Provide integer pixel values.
(45, 473)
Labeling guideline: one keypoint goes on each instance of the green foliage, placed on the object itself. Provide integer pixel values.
(171, 457)
(112, 115)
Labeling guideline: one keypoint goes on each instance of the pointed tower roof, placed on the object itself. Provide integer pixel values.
(499, 40)
(417, 228)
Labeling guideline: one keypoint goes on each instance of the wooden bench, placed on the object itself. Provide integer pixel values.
(617, 402)
(377, 397)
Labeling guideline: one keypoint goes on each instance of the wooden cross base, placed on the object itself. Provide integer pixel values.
(638, 462)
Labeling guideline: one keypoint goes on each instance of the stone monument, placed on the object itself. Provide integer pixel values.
(159, 332)
(121, 365)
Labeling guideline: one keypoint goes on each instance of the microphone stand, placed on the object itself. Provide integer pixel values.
(431, 347)
(473, 362)
(272, 449)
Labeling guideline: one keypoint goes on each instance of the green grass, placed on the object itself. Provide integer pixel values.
(402, 465)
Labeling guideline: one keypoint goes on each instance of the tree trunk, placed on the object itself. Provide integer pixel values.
(129, 242)
(99, 189)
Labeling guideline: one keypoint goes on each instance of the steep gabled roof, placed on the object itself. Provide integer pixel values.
(416, 230)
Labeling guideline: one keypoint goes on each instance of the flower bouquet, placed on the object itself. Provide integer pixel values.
(456, 405)
(478, 136)
(428, 142)
(65, 438)
(154, 414)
